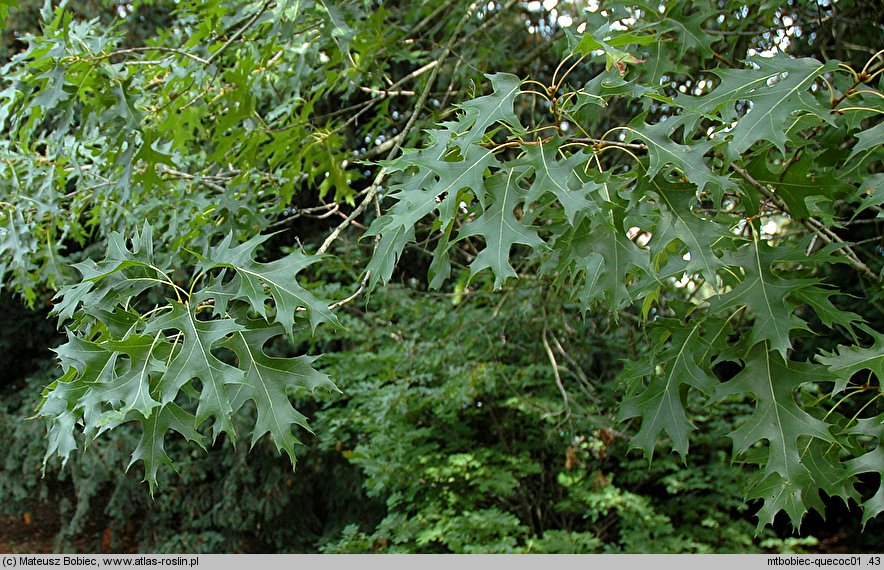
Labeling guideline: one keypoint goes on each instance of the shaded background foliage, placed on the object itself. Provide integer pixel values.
(449, 434)
(435, 445)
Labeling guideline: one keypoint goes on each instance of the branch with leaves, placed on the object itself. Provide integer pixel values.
(726, 214)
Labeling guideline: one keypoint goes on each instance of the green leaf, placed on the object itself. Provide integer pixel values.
(16, 246)
(279, 277)
(268, 382)
(194, 360)
(53, 93)
(868, 139)
(688, 158)
(499, 226)
(830, 315)
(435, 184)
(689, 28)
(104, 382)
(600, 255)
(802, 179)
(558, 177)
(153, 154)
(828, 473)
(536, 173)
(120, 373)
(609, 43)
(846, 361)
(342, 33)
(5, 6)
(86, 365)
(675, 220)
(660, 382)
(871, 194)
(777, 88)
(122, 275)
(604, 86)
(151, 447)
(764, 293)
(773, 382)
(123, 363)
(870, 462)
(482, 112)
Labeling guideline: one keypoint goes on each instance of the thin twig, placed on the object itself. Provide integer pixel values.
(240, 31)
(375, 150)
(602, 142)
(370, 196)
(143, 50)
(488, 21)
(578, 371)
(362, 285)
(432, 17)
(176, 51)
(864, 221)
(327, 209)
(555, 368)
(869, 240)
(414, 74)
(387, 92)
(382, 95)
(202, 180)
(812, 224)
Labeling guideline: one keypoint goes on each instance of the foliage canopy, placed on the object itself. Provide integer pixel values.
(708, 177)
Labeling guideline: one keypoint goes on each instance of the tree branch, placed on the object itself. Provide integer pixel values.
(812, 224)
(144, 50)
(240, 31)
(370, 196)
